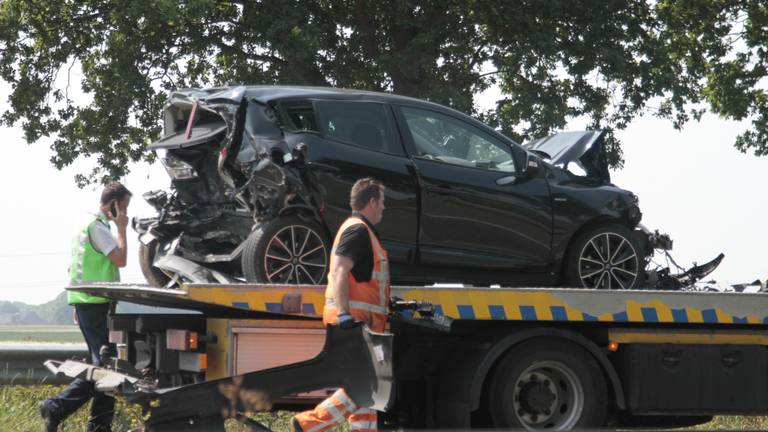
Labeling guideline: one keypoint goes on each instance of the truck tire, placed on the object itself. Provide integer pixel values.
(286, 250)
(548, 384)
(154, 276)
(605, 257)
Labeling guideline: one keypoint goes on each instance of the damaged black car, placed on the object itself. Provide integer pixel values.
(261, 178)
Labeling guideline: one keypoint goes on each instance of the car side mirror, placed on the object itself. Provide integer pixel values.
(531, 167)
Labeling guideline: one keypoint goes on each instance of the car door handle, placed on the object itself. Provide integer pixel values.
(503, 181)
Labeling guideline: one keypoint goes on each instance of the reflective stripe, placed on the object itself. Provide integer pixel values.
(341, 396)
(362, 425)
(353, 304)
(364, 419)
(320, 426)
(336, 416)
(333, 410)
(383, 275)
(367, 307)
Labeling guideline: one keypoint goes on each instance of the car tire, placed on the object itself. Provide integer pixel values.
(154, 276)
(548, 384)
(605, 257)
(286, 250)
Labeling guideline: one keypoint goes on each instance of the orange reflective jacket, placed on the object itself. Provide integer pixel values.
(368, 301)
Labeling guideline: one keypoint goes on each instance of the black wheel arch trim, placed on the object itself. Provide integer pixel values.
(305, 212)
(505, 344)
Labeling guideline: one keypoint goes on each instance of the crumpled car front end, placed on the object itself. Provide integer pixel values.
(602, 254)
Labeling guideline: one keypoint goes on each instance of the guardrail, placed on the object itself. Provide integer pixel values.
(22, 363)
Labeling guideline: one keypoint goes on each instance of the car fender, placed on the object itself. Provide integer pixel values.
(306, 213)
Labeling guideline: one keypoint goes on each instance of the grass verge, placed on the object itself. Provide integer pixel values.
(19, 413)
(41, 333)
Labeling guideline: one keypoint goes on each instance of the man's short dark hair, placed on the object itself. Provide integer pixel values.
(363, 191)
(114, 191)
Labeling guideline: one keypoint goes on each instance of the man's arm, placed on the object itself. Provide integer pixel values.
(119, 255)
(338, 277)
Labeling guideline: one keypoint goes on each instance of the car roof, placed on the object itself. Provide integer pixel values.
(269, 93)
(275, 92)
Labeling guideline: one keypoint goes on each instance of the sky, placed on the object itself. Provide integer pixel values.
(693, 184)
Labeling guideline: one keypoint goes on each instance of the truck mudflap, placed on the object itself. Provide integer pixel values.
(356, 359)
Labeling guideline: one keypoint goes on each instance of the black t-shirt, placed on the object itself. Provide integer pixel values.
(356, 245)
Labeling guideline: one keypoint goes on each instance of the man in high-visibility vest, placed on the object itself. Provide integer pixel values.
(96, 257)
(358, 290)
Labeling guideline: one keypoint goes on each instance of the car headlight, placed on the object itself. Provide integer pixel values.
(633, 212)
(176, 168)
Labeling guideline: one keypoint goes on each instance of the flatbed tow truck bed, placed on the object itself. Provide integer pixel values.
(536, 358)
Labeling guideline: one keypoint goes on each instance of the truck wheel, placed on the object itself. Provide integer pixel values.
(286, 250)
(154, 276)
(546, 384)
(607, 257)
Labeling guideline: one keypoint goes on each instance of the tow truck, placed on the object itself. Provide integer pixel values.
(454, 357)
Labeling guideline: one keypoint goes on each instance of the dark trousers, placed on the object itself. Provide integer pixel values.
(92, 319)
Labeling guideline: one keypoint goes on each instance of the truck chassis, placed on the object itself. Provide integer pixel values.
(535, 358)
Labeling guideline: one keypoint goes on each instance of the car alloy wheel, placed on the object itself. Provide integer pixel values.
(296, 255)
(608, 261)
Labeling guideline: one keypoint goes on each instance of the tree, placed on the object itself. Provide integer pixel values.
(554, 61)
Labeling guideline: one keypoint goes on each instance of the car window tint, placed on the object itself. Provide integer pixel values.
(298, 116)
(444, 138)
(364, 124)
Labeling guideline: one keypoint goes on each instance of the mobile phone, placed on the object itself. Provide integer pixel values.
(113, 209)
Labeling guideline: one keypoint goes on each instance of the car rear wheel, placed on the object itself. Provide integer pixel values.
(547, 384)
(286, 250)
(154, 276)
(606, 257)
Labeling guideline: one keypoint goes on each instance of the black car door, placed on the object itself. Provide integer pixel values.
(476, 209)
(359, 139)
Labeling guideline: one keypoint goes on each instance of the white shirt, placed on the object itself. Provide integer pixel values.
(101, 237)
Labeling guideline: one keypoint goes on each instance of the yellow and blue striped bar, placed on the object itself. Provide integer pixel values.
(524, 304)
(559, 305)
(268, 298)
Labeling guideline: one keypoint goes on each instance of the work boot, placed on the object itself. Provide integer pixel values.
(295, 427)
(48, 413)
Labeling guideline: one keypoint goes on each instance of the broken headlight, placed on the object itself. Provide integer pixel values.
(176, 168)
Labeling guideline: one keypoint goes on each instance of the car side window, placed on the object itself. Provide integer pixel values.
(444, 138)
(298, 115)
(364, 124)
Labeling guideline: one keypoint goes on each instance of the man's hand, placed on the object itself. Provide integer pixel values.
(121, 219)
(345, 321)
(119, 255)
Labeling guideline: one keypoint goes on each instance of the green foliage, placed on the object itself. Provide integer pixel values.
(733, 423)
(606, 62)
(56, 311)
(19, 413)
